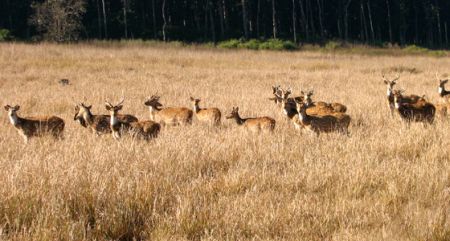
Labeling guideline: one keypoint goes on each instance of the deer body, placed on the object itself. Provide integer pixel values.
(328, 122)
(421, 111)
(443, 93)
(169, 115)
(253, 124)
(140, 129)
(320, 107)
(35, 126)
(210, 115)
(99, 124)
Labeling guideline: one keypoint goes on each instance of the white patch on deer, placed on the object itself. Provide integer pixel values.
(397, 105)
(389, 92)
(114, 121)
(440, 90)
(13, 119)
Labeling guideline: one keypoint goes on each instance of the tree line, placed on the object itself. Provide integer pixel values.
(420, 22)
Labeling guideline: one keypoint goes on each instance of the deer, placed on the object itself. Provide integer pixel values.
(168, 115)
(277, 92)
(420, 111)
(140, 129)
(35, 126)
(211, 115)
(390, 94)
(328, 122)
(98, 124)
(443, 93)
(320, 106)
(288, 103)
(254, 124)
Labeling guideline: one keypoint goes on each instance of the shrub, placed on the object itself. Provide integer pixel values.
(229, 44)
(4, 35)
(333, 45)
(415, 49)
(251, 44)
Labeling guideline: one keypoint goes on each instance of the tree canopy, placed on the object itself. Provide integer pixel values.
(420, 22)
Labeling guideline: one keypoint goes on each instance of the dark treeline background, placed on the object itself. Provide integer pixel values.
(420, 22)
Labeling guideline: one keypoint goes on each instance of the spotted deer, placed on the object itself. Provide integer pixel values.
(320, 106)
(168, 115)
(390, 94)
(288, 103)
(210, 115)
(443, 93)
(35, 126)
(276, 92)
(327, 122)
(420, 111)
(99, 124)
(141, 129)
(253, 124)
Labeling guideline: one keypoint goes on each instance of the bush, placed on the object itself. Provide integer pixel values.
(255, 44)
(5, 35)
(251, 44)
(415, 49)
(229, 44)
(333, 45)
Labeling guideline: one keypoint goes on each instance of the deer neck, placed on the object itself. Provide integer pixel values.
(442, 91)
(114, 121)
(239, 120)
(389, 92)
(153, 112)
(196, 108)
(303, 117)
(88, 117)
(14, 119)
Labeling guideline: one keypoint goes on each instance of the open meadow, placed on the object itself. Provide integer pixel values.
(385, 181)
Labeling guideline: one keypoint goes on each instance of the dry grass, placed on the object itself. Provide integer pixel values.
(384, 182)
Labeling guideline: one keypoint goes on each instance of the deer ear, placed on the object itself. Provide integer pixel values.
(119, 107)
(17, 107)
(385, 81)
(108, 108)
(7, 107)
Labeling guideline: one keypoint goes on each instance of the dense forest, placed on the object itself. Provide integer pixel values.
(420, 22)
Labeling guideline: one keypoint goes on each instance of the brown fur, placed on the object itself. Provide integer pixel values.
(142, 129)
(421, 111)
(253, 124)
(36, 126)
(443, 93)
(211, 115)
(99, 124)
(320, 107)
(327, 122)
(169, 115)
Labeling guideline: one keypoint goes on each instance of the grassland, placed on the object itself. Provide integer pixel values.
(386, 181)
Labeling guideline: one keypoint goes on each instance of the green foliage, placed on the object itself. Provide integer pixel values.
(255, 44)
(5, 35)
(415, 49)
(229, 44)
(334, 45)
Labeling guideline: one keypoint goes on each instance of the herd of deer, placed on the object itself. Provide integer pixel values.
(302, 111)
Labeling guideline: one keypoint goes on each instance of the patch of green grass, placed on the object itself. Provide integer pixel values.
(5, 34)
(255, 44)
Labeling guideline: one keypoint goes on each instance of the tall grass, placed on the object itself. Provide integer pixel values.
(386, 181)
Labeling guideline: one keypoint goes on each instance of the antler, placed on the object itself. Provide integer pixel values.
(396, 78)
(121, 101)
(108, 104)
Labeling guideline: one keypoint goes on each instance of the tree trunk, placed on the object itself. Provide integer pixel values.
(99, 20)
(438, 19)
(446, 34)
(363, 15)
(311, 17)
(155, 34)
(389, 20)
(104, 19)
(346, 19)
(304, 20)
(370, 21)
(211, 20)
(294, 20)
(222, 27)
(163, 9)
(274, 20)
(244, 18)
(258, 12)
(322, 30)
(125, 9)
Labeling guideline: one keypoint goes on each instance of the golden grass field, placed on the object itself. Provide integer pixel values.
(384, 182)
